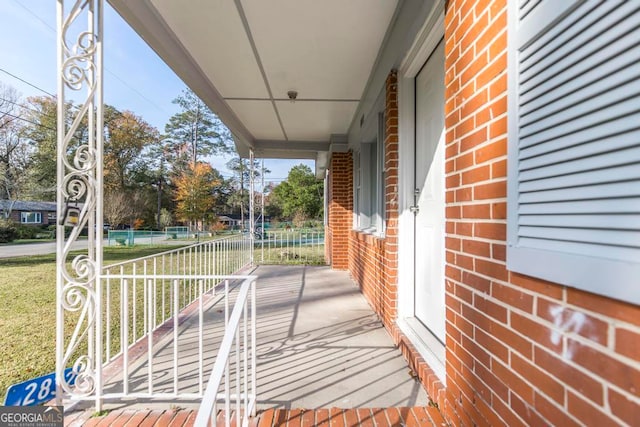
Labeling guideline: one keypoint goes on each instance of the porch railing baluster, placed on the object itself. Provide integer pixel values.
(219, 385)
(136, 318)
(201, 338)
(150, 339)
(145, 297)
(175, 336)
(108, 320)
(135, 314)
(227, 397)
(124, 344)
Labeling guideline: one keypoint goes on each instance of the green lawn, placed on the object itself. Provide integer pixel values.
(27, 303)
(290, 255)
(28, 314)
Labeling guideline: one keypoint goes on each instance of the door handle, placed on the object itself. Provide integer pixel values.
(415, 208)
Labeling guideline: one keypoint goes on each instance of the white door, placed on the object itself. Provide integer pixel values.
(429, 224)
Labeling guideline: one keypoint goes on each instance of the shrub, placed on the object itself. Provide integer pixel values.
(27, 231)
(8, 232)
(53, 229)
(218, 227)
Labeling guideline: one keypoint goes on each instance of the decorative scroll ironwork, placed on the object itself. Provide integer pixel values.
(79, 196)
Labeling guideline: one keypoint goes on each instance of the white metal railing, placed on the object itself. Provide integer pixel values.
(290, 246)
(233, 379)
(167, 300)
(215, 258)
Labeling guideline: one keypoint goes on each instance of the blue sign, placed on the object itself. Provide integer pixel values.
(36, 391)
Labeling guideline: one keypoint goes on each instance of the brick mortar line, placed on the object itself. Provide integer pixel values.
(566, 387)
(486, 46)
(478, 89)
(475, 202)
(489, 141)
(615, 323)
(490, 19)
(562, 408)
(476, 166)
(575, 336)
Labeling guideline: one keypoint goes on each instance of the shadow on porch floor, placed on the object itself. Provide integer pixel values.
(319, 346)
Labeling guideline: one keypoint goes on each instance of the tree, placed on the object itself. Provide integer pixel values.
(123, 207)
(126, 136)
(15, 153)
(300, 195)
(241, 169)
(194, 194)
(40, 130)
(166, 219)
(196, 132)
(117, 209)
(224, 192)
(272, 207)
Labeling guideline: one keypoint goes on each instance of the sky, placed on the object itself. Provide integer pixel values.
(135, 78)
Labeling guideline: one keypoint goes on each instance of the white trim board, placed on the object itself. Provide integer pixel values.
(425, 42)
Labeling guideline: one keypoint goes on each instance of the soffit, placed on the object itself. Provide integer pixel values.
(249, 53)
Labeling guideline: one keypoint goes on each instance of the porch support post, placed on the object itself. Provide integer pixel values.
(79, 198)
(340, 215)
(252, 219)
(262, 213)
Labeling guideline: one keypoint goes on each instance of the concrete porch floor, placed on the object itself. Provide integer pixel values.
(319, 345)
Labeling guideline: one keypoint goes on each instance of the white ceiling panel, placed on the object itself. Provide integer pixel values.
(315, 120)
(213, 33)
(323, 49)
(224, 49)
(259, 117)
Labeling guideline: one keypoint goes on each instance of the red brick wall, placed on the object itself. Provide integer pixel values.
(373, 261)
(520, 351)
(16, 216)
(340, 214)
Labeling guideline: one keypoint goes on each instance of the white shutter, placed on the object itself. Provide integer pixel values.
(574, 144)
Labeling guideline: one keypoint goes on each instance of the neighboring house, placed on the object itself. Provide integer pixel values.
(235, 221)
(228, 220)
(29, 213)
(482, 161)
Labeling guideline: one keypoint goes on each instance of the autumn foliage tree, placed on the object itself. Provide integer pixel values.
(127, 135)
(194, 194)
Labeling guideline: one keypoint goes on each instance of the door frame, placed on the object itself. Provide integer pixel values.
(425, 42)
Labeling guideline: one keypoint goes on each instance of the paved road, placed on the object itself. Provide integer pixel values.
(9, 251)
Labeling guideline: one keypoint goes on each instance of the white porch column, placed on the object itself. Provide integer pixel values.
(79, 197)
(252, 218)
(262, 213)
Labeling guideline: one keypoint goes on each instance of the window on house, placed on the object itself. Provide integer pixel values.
(30, 217)
(369, 191)
(574, 144)
(51, 217)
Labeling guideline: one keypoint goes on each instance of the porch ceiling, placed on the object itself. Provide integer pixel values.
(243, 56)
